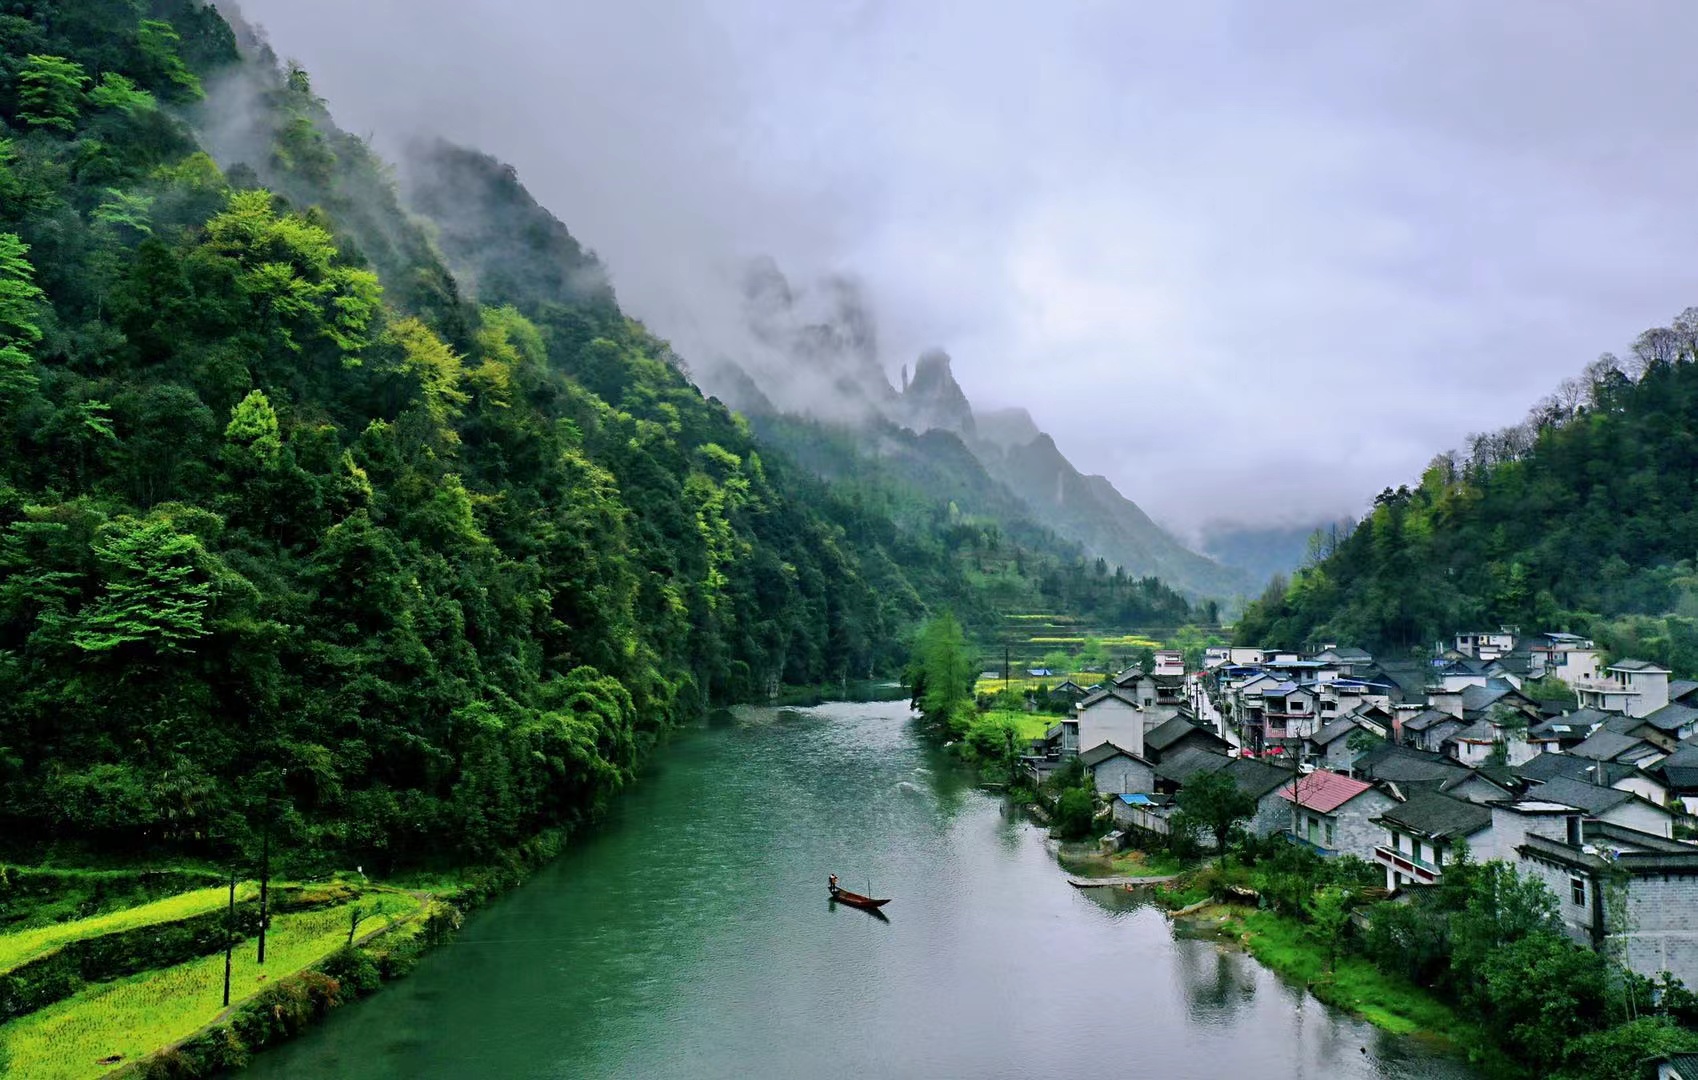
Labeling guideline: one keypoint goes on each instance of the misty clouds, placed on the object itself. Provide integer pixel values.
(1247, 259)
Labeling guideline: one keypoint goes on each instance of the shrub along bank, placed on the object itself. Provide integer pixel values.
(294, 1003)
(1484, 943)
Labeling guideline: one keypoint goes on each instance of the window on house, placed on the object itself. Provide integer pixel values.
(1330, 834)
(1577, 890)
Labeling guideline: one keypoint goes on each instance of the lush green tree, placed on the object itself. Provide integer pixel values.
(1329, 910)
(120, 93)
(50, 92)
(1215, 804)
(1543, 993)
(1145, 659)
(942, 675)
(1620, 1052)
(1075, 813)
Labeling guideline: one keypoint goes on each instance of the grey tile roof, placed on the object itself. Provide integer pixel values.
(1189, 762)
(1404, 765)
(1478, 731)
(1101, 752)
(1606, 745)
(1425, 719)
(1256, 778)
(1577, 793)
(1636, 665)
(1679, 688)
(1682, 778)
(1580, 722)
(1439, 816)
(1551, 766)
(1177, 730)
(1104, 695)
(1623, 724)
(1476, 698)
(1672, 717)
(1350, 654)
(1344, 725)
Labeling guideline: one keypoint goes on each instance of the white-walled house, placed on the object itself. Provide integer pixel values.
(1110, 716)
(1421, 836)
(1486, 645)
(1612, 805)
(1568, 657)
(1634, 687)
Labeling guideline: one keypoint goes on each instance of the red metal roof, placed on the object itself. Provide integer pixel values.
(1324, 791)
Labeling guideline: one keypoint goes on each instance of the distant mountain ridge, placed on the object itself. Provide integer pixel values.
(814, 354)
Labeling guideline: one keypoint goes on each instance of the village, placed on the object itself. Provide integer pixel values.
(1525, 748)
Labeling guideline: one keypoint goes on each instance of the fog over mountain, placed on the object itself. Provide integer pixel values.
(1250, 262)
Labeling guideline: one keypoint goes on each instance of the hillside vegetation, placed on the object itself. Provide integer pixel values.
(1582, 518)
(299, 525)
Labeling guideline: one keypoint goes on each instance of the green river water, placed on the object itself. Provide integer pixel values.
(691, 937)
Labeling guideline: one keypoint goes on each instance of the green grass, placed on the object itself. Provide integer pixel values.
(133, 1017)
(1127, 864)
(1386, 1001)
(1026, 725)
(26, 945)
(1020, 684)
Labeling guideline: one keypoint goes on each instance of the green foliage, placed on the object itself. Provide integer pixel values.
(1215, 804)
(20, 298)
(120, 93)
(1543, 992)
(942, 676)
(160, 47)
(1579, 519)
(1620, 1052)
(1075, 813)
(285, 513)
(152, 589)
(50, 92)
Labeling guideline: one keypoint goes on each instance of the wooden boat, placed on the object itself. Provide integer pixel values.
(854, 899)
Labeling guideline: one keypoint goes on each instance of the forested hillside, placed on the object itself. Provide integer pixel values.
(1584, 518)
(934, 490)
(290, 516)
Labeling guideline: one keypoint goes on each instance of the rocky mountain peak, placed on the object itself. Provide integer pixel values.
(934, 400)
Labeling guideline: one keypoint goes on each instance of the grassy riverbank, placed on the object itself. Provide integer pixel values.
(162, 1014)
(1289, 948)
(1083, 861)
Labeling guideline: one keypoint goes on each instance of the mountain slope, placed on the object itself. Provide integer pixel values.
(927, 493)
(1263, 552)
(1581, 519)
(296, 522)
(815, 356)
(1091, 512)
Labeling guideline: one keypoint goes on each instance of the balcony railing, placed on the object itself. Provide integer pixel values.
(1605, 686)
(1413, 865)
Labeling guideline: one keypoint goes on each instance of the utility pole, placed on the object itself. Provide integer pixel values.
(265, 879)
(229, 936)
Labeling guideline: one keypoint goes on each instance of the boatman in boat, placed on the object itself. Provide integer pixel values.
(833, 884)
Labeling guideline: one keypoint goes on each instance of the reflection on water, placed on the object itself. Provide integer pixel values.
(1216, 985)
(691, 937)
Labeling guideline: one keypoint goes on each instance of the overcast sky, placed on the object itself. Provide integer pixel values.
(1249, 260)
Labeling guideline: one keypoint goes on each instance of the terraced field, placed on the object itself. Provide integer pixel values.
(26, 945)
(108, 1024)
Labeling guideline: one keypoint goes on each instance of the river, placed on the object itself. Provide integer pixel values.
(691, 937)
